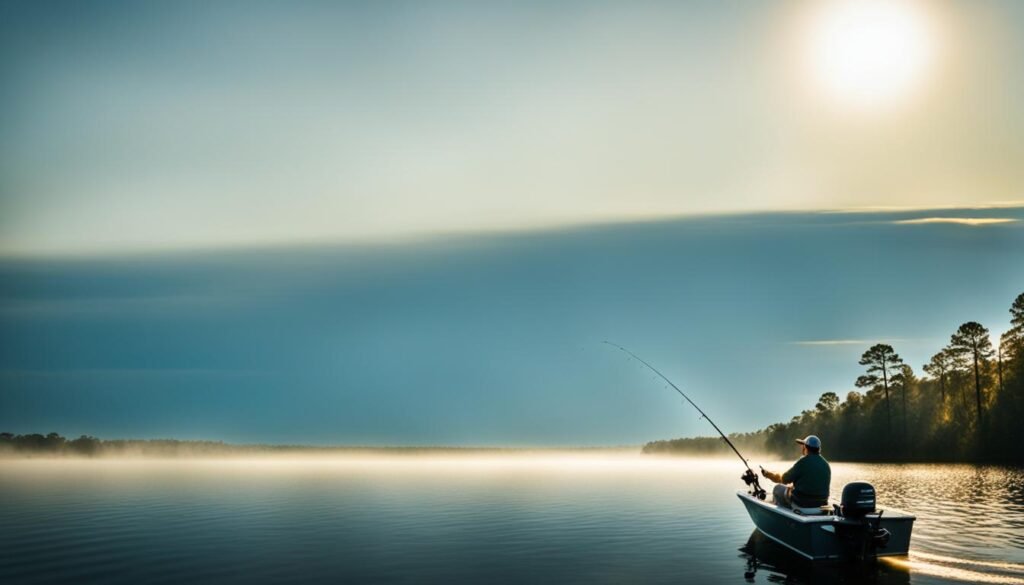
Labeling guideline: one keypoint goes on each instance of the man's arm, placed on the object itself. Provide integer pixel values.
(771, 475)
(788, 477)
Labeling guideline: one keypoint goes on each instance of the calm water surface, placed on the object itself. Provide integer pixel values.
(545, 518)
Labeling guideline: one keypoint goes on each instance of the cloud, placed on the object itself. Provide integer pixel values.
(971, 221)
(864, 342)
(1008, 204)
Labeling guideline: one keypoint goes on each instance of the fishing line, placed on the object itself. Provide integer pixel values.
(750, 477)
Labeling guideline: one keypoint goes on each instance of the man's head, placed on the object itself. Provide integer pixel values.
(810, 444)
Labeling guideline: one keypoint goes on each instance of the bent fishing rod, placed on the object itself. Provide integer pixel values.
(749, 477)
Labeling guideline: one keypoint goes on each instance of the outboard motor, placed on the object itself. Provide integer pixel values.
(859, 501)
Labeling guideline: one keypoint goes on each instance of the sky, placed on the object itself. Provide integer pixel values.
(495, 340)
(155, 125)
(414, 222)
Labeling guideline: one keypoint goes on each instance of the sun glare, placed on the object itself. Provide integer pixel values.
(869, 52)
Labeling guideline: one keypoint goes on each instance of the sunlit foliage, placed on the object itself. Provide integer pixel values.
(939, 421)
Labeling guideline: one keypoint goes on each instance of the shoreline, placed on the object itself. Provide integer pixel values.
(467, 453)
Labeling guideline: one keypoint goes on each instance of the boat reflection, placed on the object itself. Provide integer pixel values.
(780, 565)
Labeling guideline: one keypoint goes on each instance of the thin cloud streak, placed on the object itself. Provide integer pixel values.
(970, 221)
(1007, 204)
(865, 342)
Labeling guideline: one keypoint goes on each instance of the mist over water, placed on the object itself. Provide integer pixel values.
(510, 518)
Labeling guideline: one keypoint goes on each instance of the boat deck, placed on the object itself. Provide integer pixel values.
(829, 517)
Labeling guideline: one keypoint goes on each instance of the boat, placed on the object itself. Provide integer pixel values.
(853, 530)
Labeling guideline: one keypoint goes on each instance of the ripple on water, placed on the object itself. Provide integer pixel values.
(566, 519)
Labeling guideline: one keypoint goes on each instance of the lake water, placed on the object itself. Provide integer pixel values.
(516, 518)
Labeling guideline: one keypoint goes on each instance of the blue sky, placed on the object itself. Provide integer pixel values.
(493, 340)
(414, 222)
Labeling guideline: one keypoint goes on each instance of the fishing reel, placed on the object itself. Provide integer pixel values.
(750, 478)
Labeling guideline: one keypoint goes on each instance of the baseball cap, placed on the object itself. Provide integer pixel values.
(811, 441)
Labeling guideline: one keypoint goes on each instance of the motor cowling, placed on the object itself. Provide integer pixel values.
(858, 499)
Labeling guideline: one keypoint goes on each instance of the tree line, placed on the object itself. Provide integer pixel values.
(967, 406)
(747, 443)
(55, 445)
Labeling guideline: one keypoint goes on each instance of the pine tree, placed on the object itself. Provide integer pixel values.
(939, 367)
(880, 359)
(1011, 342)
(972, 342)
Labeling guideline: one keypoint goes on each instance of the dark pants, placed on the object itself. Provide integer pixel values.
(782, 494)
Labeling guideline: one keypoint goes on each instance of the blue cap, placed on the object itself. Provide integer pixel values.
(811, 441)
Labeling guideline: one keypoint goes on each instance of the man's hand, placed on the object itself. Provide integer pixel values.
(769, 475)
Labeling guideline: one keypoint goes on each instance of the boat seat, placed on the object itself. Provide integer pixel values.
(815, 511)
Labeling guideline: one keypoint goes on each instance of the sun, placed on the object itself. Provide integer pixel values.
(869, 52)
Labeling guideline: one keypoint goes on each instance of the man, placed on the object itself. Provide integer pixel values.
(810, 477)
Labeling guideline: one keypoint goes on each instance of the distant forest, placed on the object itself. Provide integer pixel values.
(967, 406)
(55, 445)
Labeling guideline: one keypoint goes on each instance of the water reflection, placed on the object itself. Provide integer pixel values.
(959, 569)
(777, 564)
(565, 518)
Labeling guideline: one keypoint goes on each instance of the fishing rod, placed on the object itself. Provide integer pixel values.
(749, 477)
